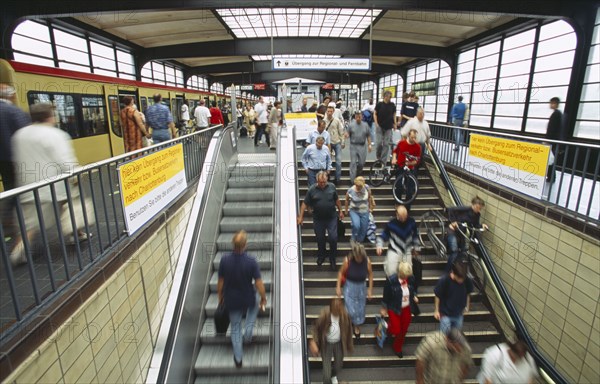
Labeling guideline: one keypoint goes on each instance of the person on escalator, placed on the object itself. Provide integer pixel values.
(236, 272)
(466, 214)
(332, 338)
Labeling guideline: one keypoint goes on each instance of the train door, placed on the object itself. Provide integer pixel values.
(176, 103)
(115, 104)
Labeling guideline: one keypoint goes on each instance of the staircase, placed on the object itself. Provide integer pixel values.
(248, 205)
(369, 363)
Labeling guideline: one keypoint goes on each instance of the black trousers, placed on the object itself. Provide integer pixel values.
(262, 129)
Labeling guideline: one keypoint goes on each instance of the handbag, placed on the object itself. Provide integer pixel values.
(372, 229)
(341, 229)
(380, 330)
(221, 319)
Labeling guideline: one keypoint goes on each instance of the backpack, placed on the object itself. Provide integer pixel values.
(367, 117)
(243, 132)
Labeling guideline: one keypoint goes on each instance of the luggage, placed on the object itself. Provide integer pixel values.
(221, 319)
(243, 132)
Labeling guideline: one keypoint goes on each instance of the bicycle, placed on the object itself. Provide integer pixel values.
(434, 228)
(405, 180)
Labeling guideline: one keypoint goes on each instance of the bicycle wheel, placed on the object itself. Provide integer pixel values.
(476, 273)
(433, 228)
(377, 173)
(404, 184)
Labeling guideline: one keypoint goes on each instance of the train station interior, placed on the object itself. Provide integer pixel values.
(116, 253)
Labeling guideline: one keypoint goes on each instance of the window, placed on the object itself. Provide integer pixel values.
(216, 88)
(587, 124)
(79, 115)
(368, 90)
(162, 73)
(103, 58)
(433, 102)
(115, 119)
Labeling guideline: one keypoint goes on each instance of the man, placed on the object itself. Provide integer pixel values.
(320, 131)
(323, 199)
(360, 141)
(274, 123)
(422, 126)
(458, 118)
(202, 115)
(159, 118)
(236, 272)
(335, 127)
(452, 297)
(185, 114)
(43, 145)
(409, 109)
(466, 214)
(403, 236)
(322, 109)
(410, 146)
(216, 117)
(385, 114)
(554, 132)
(368, 111)
(338, 113)
(313, 107)
(262, 117)
(316, 158)
(304, 107)
(443, 358)
(12, 118)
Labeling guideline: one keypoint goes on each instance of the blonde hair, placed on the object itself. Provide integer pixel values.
(404, 270)
(359, 181)
(358, 252)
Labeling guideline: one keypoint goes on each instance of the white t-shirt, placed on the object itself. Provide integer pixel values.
(185, 112)
(334, 334)
(422, 127)
(369, 107)
(202, 115)
(261, 113)
(498, 367)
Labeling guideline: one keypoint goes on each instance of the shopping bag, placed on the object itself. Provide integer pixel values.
(221, 319)
(380, 330)
(372, 229)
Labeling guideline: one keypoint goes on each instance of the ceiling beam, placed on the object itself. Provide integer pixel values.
(530, 8)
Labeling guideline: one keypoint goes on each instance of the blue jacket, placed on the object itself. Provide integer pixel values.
(392, 295)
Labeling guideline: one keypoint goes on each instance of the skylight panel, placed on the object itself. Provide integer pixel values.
(300, 22)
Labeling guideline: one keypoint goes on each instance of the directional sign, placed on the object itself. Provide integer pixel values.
(247, 87)
(337, 64)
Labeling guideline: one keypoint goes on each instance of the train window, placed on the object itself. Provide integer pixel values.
(79, 115)
(114, 110)
(144, 103)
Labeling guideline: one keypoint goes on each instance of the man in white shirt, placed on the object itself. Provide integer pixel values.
(202, 115)
(422, 126)
(262, 117)
(185, 114)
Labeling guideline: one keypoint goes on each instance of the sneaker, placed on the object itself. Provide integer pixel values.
(334, 380)
(237, 365)
(320, 261)
(400, 355)
(17, 256)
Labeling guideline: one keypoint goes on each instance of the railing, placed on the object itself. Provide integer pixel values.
(548, 371)
(86, 203)
(574, 173)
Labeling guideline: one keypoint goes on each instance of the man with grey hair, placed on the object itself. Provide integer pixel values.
(316, 158)
(12, 118)
(443, 358)
(384, 118)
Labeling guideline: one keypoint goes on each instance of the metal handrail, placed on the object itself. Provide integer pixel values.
(84, 208)
(547, 369)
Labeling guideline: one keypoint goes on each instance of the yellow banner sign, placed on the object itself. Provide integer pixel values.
(138, 177)
(529, 157)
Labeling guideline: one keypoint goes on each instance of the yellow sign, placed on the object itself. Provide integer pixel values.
(138, 177)
(300, 115)
(391, 89)
(528, 157)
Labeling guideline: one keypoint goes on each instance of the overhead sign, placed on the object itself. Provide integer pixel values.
(425, 88)
(340, 64)
(345, 86)
(304, 123)
(329, 86)
(148, 184)
(260, 86)
(515, 164)
(247, 87)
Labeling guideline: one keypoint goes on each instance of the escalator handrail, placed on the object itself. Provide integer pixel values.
(541, 361)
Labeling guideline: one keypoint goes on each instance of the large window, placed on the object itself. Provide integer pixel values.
(79, 115)
(436, 105)
(197, 82)
(393, 83)
(216, 88)
(31, 43)
(497, 81)
(368, 90)
(587, 125)
(162, 73)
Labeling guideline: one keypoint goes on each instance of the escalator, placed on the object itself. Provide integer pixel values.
(369, 362)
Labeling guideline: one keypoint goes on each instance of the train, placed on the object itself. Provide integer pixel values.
(88, 105)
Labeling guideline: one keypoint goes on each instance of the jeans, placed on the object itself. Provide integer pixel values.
(338, 161)
(160, 135)
(447, 322)
(452, 249)
(457, 132)
(372, 132)
(360, 224)
(383, 144)
(235, 319)
(262, 128)
(329, 225)
(312, 176)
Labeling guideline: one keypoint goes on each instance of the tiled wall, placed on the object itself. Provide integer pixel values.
(111, 337)
(552, 274)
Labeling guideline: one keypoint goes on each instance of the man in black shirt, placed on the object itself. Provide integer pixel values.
(457, 215)
(384, 117)
(554, 132)
(323, 199)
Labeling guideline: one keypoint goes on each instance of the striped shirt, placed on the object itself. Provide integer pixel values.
(402, 236)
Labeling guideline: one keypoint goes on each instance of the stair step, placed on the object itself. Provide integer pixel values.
(217, 359)
(323, 295)
(256, 240)
(264, 257)
(249, 194)
(251, 171)
(385, 375)
(266, 278)
(251, 223)
(245, 379)
(251, 181)
(238, 209)
(262, 332)
(213, 301)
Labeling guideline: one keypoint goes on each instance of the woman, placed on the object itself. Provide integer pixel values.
(359, 201)
(399, 295)
(355, 269)
(332, 337)
(507, 363)
(250, 120)
(133, 126)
